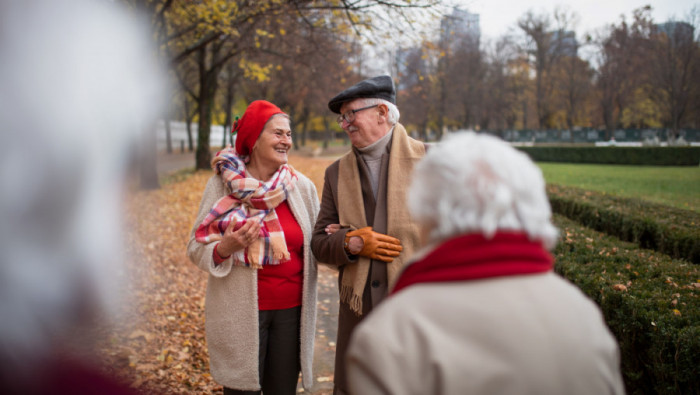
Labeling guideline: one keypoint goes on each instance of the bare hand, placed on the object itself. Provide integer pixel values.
(355, 244)
(236, 240)
(332, 228)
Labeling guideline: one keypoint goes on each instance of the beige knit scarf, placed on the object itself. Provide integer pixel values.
(405, 153)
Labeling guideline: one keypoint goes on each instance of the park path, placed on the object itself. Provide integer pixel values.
(158, 345)
(169, 163)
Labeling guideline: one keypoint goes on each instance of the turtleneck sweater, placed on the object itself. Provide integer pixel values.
(372, 155)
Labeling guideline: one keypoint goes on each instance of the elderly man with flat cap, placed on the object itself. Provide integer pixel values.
(364, 228)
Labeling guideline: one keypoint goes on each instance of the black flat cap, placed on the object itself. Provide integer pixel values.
(381, 87)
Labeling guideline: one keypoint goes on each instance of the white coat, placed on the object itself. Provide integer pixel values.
(232, 295)
(530, 334)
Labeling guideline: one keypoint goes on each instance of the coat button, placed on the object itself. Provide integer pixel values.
(375, 284)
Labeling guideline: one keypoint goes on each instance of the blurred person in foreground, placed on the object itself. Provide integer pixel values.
(252, 237)
(479, 309)
(363, 227)
(79, 85)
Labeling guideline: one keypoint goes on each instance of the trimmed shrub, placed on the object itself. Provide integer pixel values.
(673, 231)
(650, 302)
(650, 156)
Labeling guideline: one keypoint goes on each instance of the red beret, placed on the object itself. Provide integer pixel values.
(252, 123)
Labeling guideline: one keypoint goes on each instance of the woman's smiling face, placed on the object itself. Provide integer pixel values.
(274, 142)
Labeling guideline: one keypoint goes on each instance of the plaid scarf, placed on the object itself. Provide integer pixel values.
(250, 199)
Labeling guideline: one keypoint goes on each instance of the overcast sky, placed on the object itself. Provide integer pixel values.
(497, 16)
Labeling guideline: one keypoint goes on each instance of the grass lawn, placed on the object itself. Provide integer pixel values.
(673, 186)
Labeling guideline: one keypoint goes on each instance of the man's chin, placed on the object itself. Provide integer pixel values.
(356, 142)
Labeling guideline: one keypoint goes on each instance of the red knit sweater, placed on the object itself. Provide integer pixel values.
(280, 286)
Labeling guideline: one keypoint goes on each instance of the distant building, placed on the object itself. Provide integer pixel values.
(565, 42)
(410, 66)
(677, 32)
(460, 25)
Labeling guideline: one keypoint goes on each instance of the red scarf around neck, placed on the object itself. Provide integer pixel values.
(473, 256)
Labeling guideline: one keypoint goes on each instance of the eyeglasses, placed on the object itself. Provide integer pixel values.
(350, 115)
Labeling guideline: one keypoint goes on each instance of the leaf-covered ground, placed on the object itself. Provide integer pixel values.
(157, 344)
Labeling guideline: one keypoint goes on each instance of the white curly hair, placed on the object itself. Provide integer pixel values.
(394, 113)
(476, 183)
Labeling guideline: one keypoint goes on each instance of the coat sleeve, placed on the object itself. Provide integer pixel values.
(329, 249)
(312, 196)
(201, 254)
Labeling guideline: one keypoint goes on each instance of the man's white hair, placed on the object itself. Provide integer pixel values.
(471, 183)
(393, 110)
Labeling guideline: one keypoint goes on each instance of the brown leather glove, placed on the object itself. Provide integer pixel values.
(376, 245)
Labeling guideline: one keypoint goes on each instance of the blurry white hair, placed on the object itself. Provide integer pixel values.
(471, 183)
(393, 110)
(79, 84)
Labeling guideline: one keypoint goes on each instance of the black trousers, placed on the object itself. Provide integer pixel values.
(280, 344)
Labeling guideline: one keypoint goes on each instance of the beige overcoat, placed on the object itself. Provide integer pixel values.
(231, 300)
(527, 335)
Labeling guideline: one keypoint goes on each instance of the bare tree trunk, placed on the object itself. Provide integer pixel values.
(607, 105)
(442, 104)
(188, 124)
(327, 134)
(168, 138)
(542, 112)
(424, 130)
(148, 171)
(305, 128)
(571, 96)
(230, 96)
(208, 85)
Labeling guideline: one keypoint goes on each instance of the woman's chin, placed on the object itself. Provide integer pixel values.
(283, 159)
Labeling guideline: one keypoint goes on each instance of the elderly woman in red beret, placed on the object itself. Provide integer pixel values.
(252, 237)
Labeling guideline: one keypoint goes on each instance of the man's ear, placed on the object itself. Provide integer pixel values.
(382, 110)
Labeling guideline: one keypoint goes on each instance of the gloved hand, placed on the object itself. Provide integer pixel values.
(376, 245)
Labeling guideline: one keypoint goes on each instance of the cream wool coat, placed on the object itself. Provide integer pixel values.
(232, 294)
(527, 335)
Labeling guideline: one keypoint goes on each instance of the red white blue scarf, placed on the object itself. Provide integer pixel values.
(250, 199)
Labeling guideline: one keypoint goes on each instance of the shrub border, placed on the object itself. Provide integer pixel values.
(649, 301)
(642, 223)
(649, 156)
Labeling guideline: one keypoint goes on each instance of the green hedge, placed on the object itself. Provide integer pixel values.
(651, 156)
(673, 231)
(649, 301)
